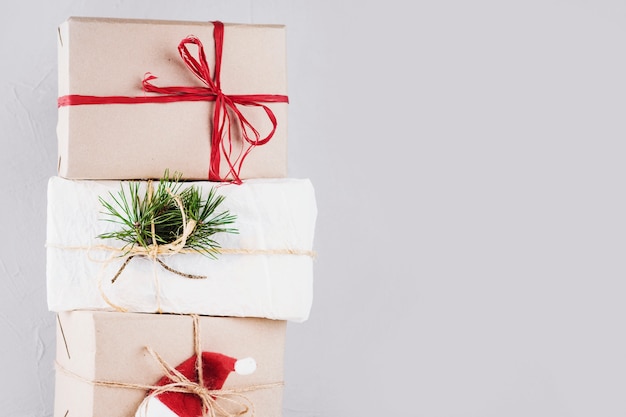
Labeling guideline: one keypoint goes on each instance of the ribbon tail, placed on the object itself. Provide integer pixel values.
(221, 130)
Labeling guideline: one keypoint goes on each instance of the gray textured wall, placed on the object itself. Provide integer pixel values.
(469, 165)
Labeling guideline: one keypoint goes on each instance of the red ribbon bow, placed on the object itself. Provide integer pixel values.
(225, 110)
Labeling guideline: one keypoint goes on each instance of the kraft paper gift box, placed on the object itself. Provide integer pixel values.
(105, 59)
(95, 349)
(270, 273)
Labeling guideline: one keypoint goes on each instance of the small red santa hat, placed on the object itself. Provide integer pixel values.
(215, 369)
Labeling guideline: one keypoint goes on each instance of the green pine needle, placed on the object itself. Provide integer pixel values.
(135, 215)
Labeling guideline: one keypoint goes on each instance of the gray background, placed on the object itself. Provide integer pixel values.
(468, 163)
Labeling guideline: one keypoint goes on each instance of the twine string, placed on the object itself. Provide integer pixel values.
(198, 350)
(222, 251)
(162, 250)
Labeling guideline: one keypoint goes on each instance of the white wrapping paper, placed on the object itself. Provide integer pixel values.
(273, 216)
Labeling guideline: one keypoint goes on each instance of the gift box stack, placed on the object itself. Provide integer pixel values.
(177, 247)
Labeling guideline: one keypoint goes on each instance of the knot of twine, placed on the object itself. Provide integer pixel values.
(154, 250)
(224, 402)
(213, 401)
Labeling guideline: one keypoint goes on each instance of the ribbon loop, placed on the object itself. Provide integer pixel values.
(199, 67)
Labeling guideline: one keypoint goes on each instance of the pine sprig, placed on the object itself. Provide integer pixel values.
(136, 214)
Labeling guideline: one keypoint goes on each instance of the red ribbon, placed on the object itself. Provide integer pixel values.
(225, 112)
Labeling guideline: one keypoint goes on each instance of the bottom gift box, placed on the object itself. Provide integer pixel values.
(113, 364)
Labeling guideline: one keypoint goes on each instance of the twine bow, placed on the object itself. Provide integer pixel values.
(153, 251)
(213, 401)
(226, 105)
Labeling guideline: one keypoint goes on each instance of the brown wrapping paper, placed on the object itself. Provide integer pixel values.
(109, 346)
(109, 57)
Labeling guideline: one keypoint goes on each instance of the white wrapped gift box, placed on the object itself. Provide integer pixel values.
(265, 271)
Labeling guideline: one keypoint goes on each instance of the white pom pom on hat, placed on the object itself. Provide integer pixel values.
(245, 366)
